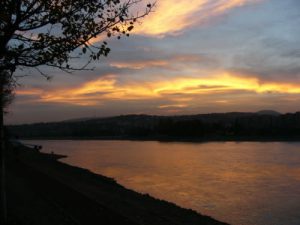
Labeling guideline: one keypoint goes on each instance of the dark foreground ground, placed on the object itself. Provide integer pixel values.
(44, 191)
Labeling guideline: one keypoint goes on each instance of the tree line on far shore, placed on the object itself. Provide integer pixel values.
(204, 126)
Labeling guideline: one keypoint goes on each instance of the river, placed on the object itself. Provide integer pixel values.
(242, 183)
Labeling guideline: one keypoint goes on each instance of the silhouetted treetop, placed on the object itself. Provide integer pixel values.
(44, 32)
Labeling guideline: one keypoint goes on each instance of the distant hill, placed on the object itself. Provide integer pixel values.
(269, 112)
(233, 126)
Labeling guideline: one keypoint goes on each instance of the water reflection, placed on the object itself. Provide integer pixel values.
(240, 183)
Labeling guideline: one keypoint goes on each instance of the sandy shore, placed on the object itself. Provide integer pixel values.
(44, 191)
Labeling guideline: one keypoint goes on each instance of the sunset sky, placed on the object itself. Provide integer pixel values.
(187, 57)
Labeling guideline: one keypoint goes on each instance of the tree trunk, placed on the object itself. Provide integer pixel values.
(2, 154)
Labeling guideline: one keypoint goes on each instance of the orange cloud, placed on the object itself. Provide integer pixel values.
(178, 90)
(29, 92)
(137, 65)
(166, 63)
(171, 17)
(173, 106)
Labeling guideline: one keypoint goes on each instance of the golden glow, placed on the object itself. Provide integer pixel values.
(170, 62)
(178, 90)
(222, 101)
(173, 106)
(172, 17)
(29, 92)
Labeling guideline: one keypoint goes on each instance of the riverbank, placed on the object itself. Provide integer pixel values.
(179, 139)
(44, 191)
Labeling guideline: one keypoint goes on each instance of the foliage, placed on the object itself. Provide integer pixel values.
(34, 33)
(7, 86)
(43, 32)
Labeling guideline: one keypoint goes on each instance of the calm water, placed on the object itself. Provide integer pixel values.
(240, 183)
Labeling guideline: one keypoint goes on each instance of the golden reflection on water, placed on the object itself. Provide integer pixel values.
(240, 183)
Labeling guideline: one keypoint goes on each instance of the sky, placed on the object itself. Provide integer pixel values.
(187, 57)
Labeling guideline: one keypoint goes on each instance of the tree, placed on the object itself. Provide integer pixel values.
(36, 33)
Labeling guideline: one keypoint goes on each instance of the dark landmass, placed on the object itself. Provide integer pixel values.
(265, 125)
(44, 191)
(268, 112)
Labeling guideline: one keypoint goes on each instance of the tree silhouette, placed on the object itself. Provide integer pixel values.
(37, 33)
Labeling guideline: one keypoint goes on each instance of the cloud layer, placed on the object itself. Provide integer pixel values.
(171, 18)
(188, 57)
(178, 90)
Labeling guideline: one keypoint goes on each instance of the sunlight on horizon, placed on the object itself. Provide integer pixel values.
(108, 88)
